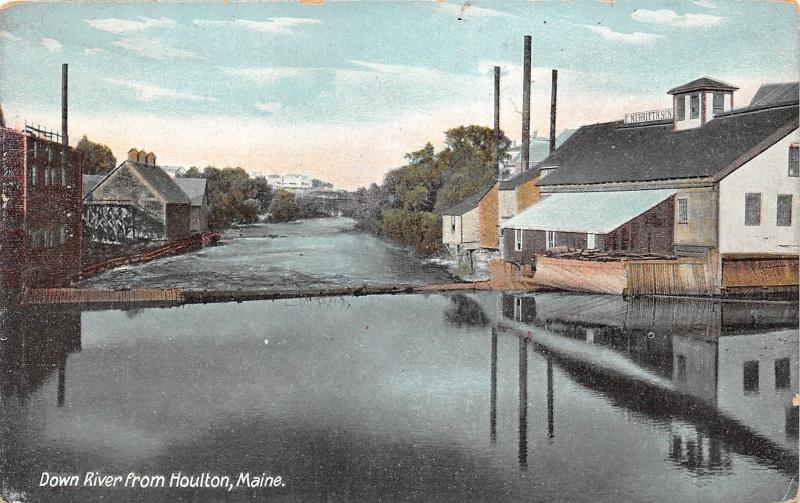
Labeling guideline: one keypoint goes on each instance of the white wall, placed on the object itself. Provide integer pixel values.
(466, 232)
(687, 123)
(507, 202)
(767, 174)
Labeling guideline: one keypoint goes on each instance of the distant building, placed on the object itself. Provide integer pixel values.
(461, 224)
(174, 171)
(40, 221)
(136, 201)
(196, 189)
(291, 182)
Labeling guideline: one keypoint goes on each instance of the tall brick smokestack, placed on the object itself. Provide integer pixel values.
(64, 136)
(553, 94)
(526, 104)
(497, 120)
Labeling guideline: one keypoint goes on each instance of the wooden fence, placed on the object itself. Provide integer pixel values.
(669, 277)
(193, 242)
(745, 272)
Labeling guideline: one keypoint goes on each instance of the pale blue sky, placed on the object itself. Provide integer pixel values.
(342, 90)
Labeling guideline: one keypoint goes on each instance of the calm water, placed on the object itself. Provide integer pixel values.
(489, 397)
(305, 253)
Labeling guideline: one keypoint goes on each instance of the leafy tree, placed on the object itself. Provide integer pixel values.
(232, 197)
(263, 193)
(283, 208)
(192, 172)
(97, 158)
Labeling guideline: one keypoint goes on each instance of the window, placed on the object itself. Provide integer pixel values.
(719, 103)
(518, 308)
(49, 154)
(34, 172)
(46, 177)
(63, 176)
(452, 223)
(752, 209)
(62, 234)
(694, 107)
(35, 150)
(591, 241)
(680, 371)
(784, 210)
(783, 373)
(518, 239)
(794, 160)
(551, 239)
(680, 106)
(683, 211)
(750, 377)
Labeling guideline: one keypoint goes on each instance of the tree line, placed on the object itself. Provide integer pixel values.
(406, 206)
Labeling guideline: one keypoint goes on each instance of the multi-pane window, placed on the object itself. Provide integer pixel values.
(783, 373)
(694, 107)
(46, 177)
(680, 107)
(517, 239)
(719, 103)
(62, 234)
(551, 239)
(63, 176)
(750, 377)
(683, 211)
(49, 154)
(752, 209)
(794, 160)
(784, 212)
(34, 172)
(452, 223)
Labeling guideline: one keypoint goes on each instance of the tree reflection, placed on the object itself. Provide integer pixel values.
(465, 312)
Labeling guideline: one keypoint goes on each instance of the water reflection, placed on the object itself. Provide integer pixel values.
(365, 401)
(720, 375)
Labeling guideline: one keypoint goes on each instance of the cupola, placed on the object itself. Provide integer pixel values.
(699, 101)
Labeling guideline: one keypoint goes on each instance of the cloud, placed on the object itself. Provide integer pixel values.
(671, 18)
(51, 44)
(7, 35)
(636, 38)
(282, 25)
(267, 74)
(271, 107)
(151, 93)
(155, 49)
(707, 4)
(468, 10)
(94, 51)
(114, 25)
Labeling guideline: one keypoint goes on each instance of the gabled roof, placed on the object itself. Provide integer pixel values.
(470, 203)
(610, 152)
(157, 178)
(590, 212)
(771, 94)
(703, 84)
(194, 188)
(90, 182)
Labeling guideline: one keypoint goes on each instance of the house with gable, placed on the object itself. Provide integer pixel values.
(136, 201)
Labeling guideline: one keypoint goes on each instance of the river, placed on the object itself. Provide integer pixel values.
(440, 397)
(306, 253)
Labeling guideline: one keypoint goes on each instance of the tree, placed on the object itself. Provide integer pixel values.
(192, 172)
(263, 193)
(97, 158)
(283, 207)
(232, 197)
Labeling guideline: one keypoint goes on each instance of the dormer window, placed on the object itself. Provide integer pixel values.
(719, 103)
(694, 107)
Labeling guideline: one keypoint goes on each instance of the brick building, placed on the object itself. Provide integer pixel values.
(40, 212)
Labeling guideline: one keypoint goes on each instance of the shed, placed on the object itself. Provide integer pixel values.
(196, 189)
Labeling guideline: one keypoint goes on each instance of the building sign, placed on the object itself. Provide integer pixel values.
(649, 116)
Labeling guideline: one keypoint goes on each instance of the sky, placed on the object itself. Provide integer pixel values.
(343, 89)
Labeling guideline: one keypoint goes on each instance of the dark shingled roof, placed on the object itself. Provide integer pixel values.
(467, 204)
(159, 180)
(194, 188)
(607, 152)
(770, 94)
(703, 83)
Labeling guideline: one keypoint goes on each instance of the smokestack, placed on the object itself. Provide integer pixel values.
(64, 137)
(553, 94)
(497, 120)
(526, 104)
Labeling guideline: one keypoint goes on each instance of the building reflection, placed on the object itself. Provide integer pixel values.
(35, 344)
(720, 374)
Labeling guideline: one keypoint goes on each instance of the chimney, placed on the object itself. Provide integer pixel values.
(553, 93)
(526, 104)
(64, 137)
(142, 157)
(133, 155)
(497, 121)
(151, 159)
